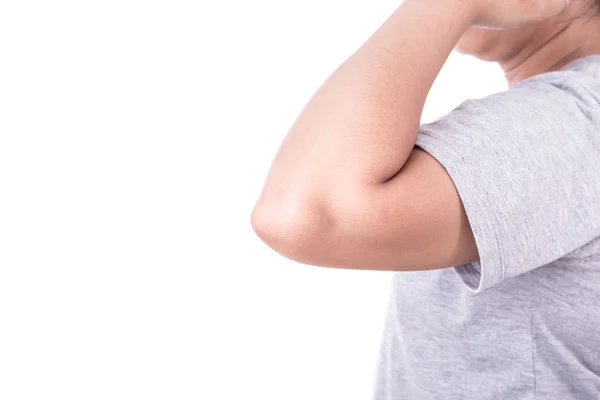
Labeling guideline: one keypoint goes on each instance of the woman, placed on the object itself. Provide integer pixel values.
(490, 215)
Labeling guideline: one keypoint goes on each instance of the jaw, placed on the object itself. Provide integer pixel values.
(493, 45)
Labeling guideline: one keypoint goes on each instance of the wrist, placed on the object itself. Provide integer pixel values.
(449, 15)
(464, 12)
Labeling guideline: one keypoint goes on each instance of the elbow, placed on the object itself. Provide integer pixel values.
(267, 227)
(293, 230)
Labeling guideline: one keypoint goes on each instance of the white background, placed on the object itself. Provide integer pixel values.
(134, 139)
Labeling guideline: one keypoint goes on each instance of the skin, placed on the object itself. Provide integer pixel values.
(535, 48)
(348, 189)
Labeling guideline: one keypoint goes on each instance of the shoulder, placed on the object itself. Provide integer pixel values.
(555, 107)
(563, 88)
(525, 163)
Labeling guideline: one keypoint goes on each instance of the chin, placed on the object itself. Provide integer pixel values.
(478, 42)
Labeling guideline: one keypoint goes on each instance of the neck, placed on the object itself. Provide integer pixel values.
(553, 48)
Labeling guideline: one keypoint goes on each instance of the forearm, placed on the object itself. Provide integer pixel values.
(361, 125)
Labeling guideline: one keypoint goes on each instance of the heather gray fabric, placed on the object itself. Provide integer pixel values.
(524, 321)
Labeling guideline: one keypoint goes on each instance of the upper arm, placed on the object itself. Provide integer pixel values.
(523, 165)
(414, 221)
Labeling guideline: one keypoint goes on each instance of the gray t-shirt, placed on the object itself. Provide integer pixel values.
(524, 321)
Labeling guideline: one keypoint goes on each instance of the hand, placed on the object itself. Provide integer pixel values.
(503, 14)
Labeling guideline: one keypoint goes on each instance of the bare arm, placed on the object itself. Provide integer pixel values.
(340, 192)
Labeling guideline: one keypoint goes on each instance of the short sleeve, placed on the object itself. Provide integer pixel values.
(526, 164)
